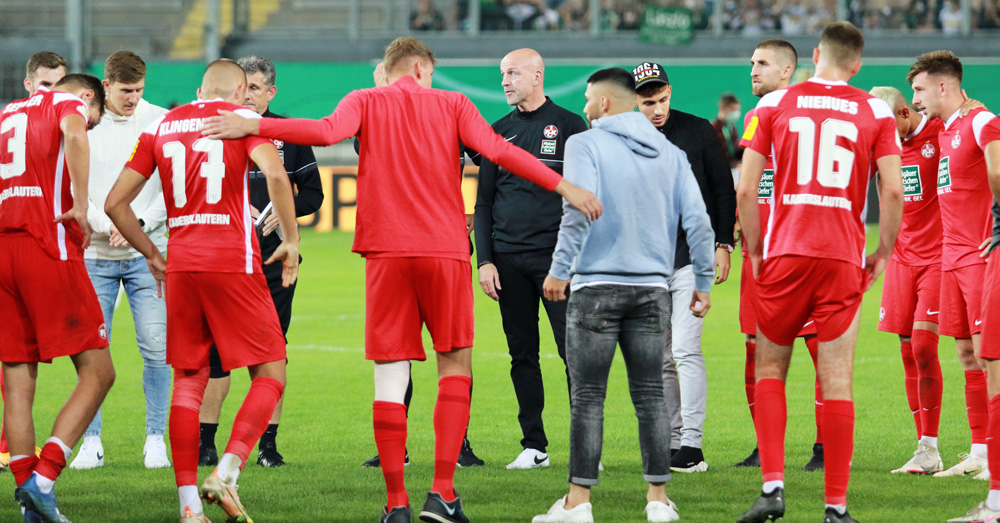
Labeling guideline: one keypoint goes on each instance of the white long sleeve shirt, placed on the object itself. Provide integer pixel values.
(111, 143)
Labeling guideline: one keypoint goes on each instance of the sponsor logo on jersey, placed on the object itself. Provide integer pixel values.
(752, 128)
(550, 131)
(911, 182)
(956, 141)
(944, 175)
(928, 150)
(765, 190)
(548, 147)
(281, 154)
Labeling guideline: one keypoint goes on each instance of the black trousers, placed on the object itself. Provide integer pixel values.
(521, 276)
(282, 297)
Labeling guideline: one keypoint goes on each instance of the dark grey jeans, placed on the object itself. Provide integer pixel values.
(597, 319)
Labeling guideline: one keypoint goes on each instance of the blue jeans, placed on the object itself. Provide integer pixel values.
(150, 316)
(597, 319)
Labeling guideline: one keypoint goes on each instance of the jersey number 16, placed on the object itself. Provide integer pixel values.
(835, 163)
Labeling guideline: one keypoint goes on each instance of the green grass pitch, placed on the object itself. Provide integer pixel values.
(326, 427)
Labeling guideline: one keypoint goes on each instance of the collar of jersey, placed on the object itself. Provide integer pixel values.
(920, 127)
(826, 82)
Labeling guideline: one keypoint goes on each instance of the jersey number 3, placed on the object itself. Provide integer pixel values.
(835, 163)
(213, 170)
(15, 145)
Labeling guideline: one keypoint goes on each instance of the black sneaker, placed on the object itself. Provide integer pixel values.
(833, 517)
(467, 458)
(376, 462)
(396, 515)
(437, 510)
(753, 460)
(269, 457)
(816, 461)
(207, 456)
(688, 459)
(768, 507)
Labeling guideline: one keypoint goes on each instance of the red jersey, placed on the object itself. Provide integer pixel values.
(963, 189)
(765, 189)
(34, 180)
(409, 184)
(919, 240)
(824, 136)
(205, 188)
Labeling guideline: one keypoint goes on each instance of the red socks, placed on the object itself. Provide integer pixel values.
(749, 380)
(253, 416)
(812, 343)
(977, 404)
(451, 419)
(930, 384)
(389, 422)
(52, 461)
(910, 381)
(770, 403)
(838, 433)
(993, 450)
(185, 403)
(22, 468)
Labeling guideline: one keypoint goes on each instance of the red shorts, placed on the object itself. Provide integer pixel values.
(989, 346)
(233, 310)
(909, 294)
(961, 300)
(748, 297)
(794, 289)
(49, 306)
(403, 294)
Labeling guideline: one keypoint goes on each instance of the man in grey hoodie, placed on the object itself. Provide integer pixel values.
(620, 267)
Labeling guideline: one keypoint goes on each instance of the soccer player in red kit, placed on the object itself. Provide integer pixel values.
(411, 229)
(823, 135)
(773, 63)
(910, 292)
(50, 308)
(215, 290)
(964, 200)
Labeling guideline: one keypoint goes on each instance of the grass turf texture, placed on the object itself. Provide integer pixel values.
(326, 427)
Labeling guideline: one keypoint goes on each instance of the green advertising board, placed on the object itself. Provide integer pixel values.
(666, 25)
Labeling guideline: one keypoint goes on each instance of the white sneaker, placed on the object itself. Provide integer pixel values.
(582, 513)
(984, 475)
(91, 454)
(658, 511)
(155, 453)
(529, 459)
(926, 460)
(968, 466)
(978, 513)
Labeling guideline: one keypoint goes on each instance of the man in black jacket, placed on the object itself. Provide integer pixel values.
(300, 162)
(516, 227)
(685, 383)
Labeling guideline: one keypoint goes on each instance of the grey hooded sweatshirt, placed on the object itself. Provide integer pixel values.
(646, 186)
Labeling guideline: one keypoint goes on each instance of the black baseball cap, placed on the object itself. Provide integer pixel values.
(648, 73)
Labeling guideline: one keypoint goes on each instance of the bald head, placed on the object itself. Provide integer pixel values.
(224, 79)
(523, 73)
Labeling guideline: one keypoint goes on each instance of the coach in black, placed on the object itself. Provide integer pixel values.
(685, 383)
(302, 170)
(516, 226)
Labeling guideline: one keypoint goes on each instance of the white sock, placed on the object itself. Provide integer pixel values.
(993, 500)
(189, 497)
(978, 450)
(929, 441)
(65, 448)
(229, 468)
(841, 509)
(771, 486)
(17, 457)
(44, 484)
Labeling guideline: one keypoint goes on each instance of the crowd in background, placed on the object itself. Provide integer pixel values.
(748, 17)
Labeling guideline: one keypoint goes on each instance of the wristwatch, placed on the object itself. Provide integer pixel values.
(727, 246)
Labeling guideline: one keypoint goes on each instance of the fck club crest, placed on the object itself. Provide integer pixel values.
(927, 151)
(956, 141)
(551, 131)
